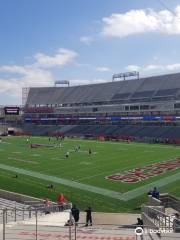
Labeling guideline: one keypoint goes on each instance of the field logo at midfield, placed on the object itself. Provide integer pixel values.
(142, 173)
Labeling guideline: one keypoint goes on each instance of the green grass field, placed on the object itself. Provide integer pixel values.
(82, 177)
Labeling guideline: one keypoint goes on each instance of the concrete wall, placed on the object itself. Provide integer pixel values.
(17, 197)
(154, 201)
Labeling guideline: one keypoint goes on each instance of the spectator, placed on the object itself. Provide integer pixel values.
(90, 151)
(155, 193)
(67, 155)
(75, 214)
(68, 223)
(50, 186)
(88, 216)
(140, 222)
(15, 176)
(150, 192)
(47, 204)
(60, 201)
(176, 223)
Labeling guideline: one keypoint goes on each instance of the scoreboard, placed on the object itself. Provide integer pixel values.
(11, 110)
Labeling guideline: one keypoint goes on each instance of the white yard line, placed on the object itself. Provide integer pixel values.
(35, 155)
(59, 159)
(22, 160)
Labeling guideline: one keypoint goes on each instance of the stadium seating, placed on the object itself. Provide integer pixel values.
(151, 96)
(166, 85)
(135, 131)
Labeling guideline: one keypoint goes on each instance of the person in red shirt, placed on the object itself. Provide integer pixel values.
(60, 201)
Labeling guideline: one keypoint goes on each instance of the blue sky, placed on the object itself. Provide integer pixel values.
(84, 41)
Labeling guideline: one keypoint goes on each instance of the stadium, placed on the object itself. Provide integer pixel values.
(138, 108)
(122, 138)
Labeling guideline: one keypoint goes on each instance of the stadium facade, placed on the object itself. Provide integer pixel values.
(146, 107)
(152, 96)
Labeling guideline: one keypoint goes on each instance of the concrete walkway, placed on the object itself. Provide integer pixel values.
(106, 226)
(56, 233)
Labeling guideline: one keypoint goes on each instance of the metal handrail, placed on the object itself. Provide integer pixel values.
(160, 219)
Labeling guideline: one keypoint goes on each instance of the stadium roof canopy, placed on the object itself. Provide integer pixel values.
(155, 87)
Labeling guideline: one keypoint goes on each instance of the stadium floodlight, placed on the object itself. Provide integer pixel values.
(61, 82)
(125, 75)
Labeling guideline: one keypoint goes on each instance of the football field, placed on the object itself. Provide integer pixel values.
(109, 176)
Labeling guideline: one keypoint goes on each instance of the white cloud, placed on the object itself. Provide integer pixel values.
(103, 69)
(36, 74)
(173, 67)
(29, 76)
(154, 68)
(61, 58)
(141, 21)
(86, 40)
(88, 81)
(13, 69)
(132, 68)
(12, 86)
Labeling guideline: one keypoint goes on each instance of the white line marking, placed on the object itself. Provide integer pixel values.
(85, 163)
(58, 159)
(22, 160)
(35, 155)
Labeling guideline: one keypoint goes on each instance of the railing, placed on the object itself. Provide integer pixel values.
(170, 201)
(13, 214)
(53, 207)
(41, 227)
(158, 218)
(38, 223)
